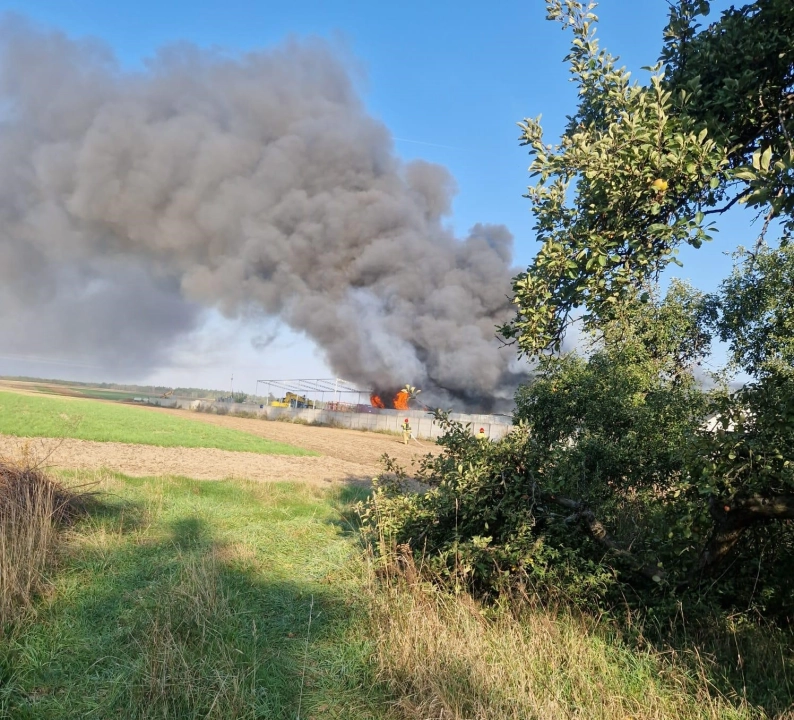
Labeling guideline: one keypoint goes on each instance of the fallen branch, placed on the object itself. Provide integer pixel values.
(595, 528)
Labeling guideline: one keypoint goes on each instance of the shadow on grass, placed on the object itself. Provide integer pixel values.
(190, 532)
(184, 626)
(345, 501)
(124, 515)
(745, 660)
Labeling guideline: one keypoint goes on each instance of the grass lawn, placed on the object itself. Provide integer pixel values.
(187, 599)
(34, 416)
(184, 599)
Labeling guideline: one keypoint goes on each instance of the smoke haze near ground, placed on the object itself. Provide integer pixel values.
(255, 184)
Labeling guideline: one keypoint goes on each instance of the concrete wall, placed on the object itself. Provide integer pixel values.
(422, 425)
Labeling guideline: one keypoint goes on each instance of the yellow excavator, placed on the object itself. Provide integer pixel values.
(296, 401)
(292, 400)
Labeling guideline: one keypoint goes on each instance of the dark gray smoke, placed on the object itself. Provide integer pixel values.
(254, 184)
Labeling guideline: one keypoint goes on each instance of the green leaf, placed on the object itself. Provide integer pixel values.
(765, 158)
(745, 174)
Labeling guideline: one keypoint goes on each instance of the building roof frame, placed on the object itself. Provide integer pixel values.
(315, 385)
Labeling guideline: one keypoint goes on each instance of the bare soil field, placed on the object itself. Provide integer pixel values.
(347, 455)
(355, 446)
(198, 463)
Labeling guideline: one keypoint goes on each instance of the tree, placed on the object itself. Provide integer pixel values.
(638, 172)
(665, 481)
(756, 307)
(641, 168)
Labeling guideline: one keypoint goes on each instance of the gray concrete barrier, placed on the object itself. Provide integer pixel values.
(422, 424)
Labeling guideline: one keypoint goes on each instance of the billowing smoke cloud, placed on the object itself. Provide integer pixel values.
(255, 184)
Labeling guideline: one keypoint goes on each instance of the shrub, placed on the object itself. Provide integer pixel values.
(32, 506)
(614, 485)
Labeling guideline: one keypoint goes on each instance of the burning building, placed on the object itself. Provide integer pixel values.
(396, 400)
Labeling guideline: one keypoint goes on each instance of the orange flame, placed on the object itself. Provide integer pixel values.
(401, 400)
(398, 402)
(376, 401)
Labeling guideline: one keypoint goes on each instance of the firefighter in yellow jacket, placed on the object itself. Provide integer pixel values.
(406, 428)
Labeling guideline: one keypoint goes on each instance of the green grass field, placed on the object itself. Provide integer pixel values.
(185, 599)
(233, 600)
(176, 598)
(39, 416)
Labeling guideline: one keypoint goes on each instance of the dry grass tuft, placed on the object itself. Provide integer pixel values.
(32, 507)
(445, 657)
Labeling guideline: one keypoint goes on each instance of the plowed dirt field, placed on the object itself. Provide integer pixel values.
(346, 455)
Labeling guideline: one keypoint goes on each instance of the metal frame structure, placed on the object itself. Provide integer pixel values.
(336, 387)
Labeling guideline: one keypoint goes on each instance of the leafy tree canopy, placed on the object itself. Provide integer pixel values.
(641, 169)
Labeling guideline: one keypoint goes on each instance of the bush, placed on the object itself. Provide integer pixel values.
(612, 489)
(245, 414)
(32, 506)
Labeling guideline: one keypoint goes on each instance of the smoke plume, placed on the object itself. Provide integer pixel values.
(254, 184)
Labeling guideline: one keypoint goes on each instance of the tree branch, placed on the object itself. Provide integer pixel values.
(769, 217)
(783, 127)
(595, 528)
(732, 518)
(733, 202)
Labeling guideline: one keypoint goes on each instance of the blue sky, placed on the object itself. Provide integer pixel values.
(450, 80)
